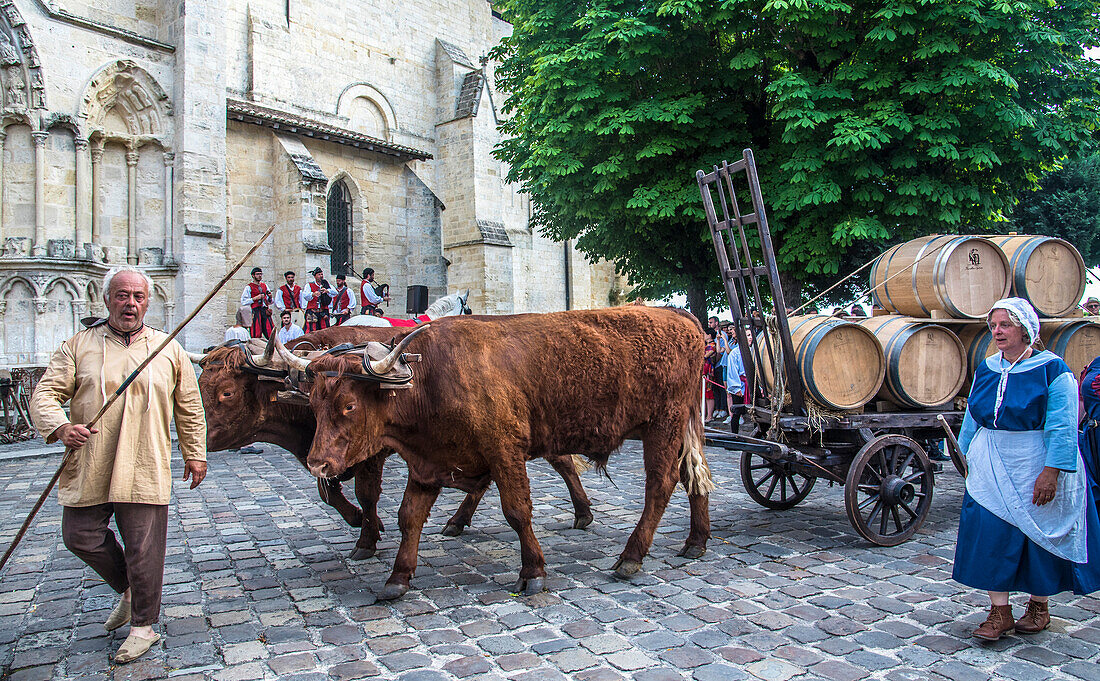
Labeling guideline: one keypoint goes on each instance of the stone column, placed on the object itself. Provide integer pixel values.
(169, 209)
(3, 136)
(131, 206)
(83, 197)
(39, 247)
(96, 152)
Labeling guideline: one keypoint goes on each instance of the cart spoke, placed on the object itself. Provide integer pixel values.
(783, 488)
(794, 485)
(874, 511)
(911, 512)
(897, 518)
(761, 466)
(882, 520)
(914, 477)
(771, 488)
(905, 464)
(760, 483)
(868, 489)
(867, 502)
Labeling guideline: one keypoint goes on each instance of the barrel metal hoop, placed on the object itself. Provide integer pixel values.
(916, 265)
(939, 277)
(806, 353)
(1023, 255)
(886, 285)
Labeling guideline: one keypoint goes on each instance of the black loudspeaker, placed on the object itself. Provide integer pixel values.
(416, 300)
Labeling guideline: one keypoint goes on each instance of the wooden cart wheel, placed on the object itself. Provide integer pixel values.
(773, 485)
(888, 491)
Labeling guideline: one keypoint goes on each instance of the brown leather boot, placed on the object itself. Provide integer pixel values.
(998, 623)
(1035, 619)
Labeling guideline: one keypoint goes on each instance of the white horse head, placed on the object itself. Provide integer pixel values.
(449, 306)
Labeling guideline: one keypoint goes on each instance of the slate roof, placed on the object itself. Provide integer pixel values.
(283, 121)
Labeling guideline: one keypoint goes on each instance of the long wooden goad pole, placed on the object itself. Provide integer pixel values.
(125, 384)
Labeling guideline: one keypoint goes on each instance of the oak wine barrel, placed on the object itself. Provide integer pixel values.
(978, 342)
(960, 275)
(1047, 271)
(840, 363)
(1077, 342)
(925, 363)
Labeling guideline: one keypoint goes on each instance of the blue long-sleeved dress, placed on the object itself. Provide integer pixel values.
(1017, 421)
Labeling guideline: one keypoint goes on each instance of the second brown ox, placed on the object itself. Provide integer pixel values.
(493, 392)
(240, 399)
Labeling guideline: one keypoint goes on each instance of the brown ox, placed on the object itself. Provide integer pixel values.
(241, 409)
(493, 392)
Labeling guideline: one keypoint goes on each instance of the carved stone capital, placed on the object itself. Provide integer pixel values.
(3, 307)
(40, 137)
(96, 153)
(131, 158)
(81, 143)
(41, 305)
(169, 158)
(80, 306)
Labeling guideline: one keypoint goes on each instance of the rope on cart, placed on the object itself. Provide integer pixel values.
(865, 291)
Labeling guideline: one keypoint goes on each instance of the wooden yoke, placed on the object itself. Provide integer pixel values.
(741, 278)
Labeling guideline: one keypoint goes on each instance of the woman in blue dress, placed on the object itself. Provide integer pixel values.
(1090, 426)
(1029, 522)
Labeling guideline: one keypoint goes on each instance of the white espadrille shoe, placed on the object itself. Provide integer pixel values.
(119, 616)
(134, 647)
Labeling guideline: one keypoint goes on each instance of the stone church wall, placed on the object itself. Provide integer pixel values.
(118, 144)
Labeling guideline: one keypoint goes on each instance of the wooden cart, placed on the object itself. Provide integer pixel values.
(878, 456)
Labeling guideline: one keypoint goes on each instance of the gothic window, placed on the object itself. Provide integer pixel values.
(339, 226)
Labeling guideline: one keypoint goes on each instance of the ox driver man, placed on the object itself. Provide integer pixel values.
(122, 467)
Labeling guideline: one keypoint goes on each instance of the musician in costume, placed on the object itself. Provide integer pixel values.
(289, 295)
(317, 296)
(1089, 439)
(343, 301)
(1029, 521)
(257, 296)
(372, 295)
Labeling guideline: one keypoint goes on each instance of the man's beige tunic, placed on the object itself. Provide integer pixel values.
(128, 460)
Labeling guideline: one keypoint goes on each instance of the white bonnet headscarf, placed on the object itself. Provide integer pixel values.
(1024, 312)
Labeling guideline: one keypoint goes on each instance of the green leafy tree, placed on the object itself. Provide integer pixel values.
(872, 121)
(1067, 205)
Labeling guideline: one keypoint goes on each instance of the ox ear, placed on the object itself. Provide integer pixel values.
(289, 357)
(383, 366)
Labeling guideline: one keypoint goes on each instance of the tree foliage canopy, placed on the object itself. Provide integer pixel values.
(1067, 206)
(871, 121)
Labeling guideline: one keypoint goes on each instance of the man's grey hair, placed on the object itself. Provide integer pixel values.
(107, 278)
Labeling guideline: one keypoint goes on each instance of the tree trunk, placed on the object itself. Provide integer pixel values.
(697, 303)
(792, 289)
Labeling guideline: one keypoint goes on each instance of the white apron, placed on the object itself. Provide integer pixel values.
(1003, 467)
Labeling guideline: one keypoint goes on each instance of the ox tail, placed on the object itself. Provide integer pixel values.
(581, 464)
(694, 470)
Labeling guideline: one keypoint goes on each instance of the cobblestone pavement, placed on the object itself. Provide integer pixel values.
(257, 586)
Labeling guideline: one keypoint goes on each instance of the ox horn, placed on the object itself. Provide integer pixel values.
(196, 357)
(269, 352)
(289, 357)
(383, 366)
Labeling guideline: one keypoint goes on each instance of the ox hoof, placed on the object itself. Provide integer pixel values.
(392, 591)
(452, 530)
(625, 569)
(692, 551)
(360, 553)
(529, 587)
(582, 522)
